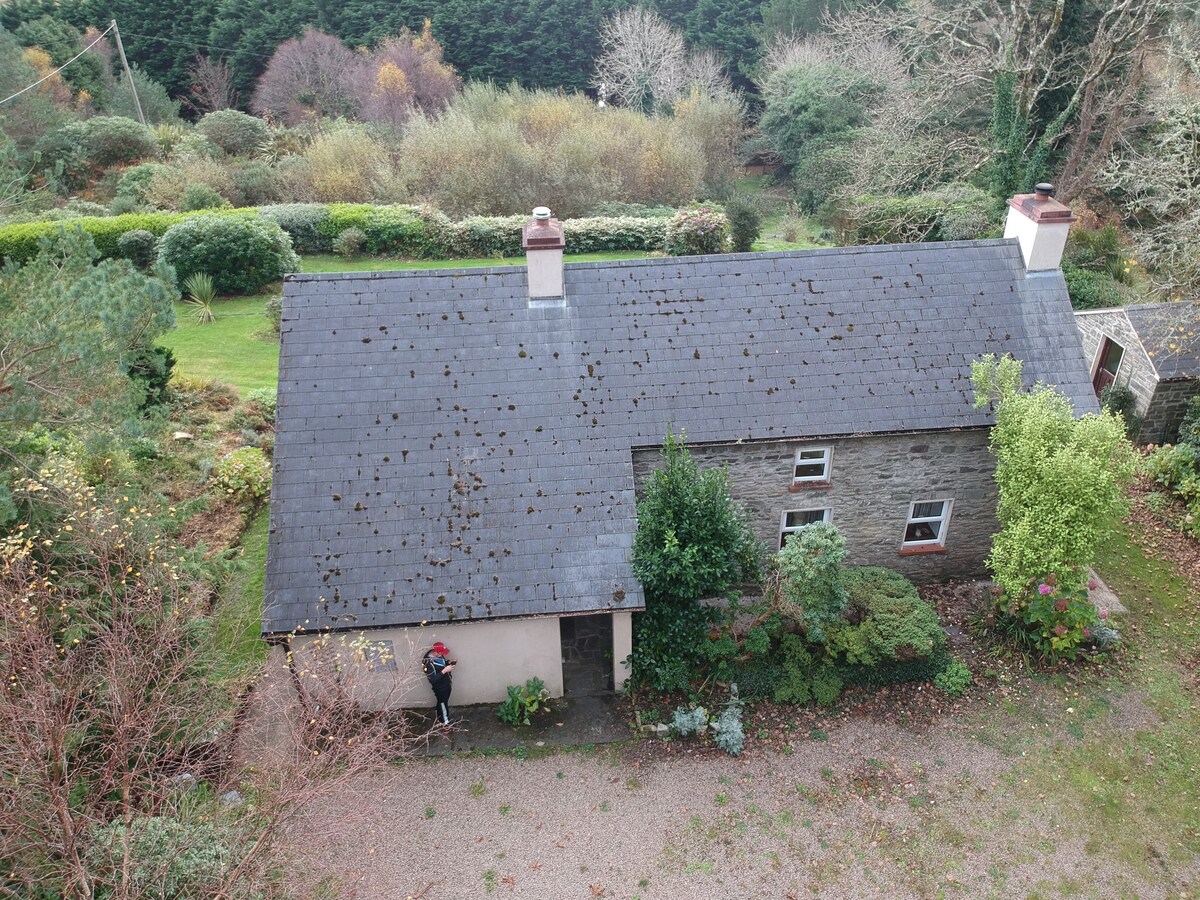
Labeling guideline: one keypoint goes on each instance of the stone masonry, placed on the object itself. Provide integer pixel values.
(873, 480)
(1169, 406)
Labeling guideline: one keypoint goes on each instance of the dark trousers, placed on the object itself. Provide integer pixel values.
(442, 710)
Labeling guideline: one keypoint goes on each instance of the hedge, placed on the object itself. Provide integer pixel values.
(417, 232)
(20, 242)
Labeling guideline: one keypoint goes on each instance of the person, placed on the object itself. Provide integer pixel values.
(437, 666)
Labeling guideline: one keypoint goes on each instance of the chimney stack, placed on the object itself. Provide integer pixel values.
(543, 240)
(1040, 223)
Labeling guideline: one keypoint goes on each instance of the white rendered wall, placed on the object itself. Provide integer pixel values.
(1042, 243)
(491, 656)
(545, 272)
(622, 626)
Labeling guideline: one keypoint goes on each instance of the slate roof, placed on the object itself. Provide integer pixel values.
(1169, 335)
(446, 452)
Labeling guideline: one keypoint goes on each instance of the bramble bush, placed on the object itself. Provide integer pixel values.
(241, 254)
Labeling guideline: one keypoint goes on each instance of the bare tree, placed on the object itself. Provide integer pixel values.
(1160, 176)
(111, 711)
(212, 85)
(645, 64)
(310, 77)
(404, 75)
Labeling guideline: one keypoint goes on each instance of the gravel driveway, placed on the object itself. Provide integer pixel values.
(865, 811)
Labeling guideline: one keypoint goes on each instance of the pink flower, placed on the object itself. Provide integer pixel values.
(1060, 630)
(1044, 589)
(1093, 584)
(1103, 614)
(1060, 605)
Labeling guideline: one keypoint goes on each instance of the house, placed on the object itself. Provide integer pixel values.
(458, 451)
(1153, 350)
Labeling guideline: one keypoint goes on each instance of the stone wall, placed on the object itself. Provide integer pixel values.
(1167, 409)
(1135, 370)
(873, 480)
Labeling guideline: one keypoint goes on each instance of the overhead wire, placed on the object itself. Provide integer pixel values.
(50, 75)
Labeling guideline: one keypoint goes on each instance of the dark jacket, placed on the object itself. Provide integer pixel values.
(441, 681)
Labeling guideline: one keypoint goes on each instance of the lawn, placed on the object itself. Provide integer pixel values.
(235, 349)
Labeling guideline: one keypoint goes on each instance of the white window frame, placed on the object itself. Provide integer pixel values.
(785, 529)
(826, 458)
(944, 519)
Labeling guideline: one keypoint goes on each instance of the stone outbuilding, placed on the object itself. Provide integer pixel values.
(458, 451)
(1152, 349)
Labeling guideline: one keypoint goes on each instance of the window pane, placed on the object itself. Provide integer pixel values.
(802, 517)
(922, 531)
(812, 454)
(810, 470)
(928, 510)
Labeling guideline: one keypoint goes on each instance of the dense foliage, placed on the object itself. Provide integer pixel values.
(1061, 482)
(242, 254)
(692, 542)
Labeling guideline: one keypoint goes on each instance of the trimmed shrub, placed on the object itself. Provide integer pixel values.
(1089, 289)
(254, 184)
(350, 243)
(235, 132)
(242, 254)
(692, 232)
(244, 475)
(609, 235)
(20, 242)
(953, 212)
(745, 222)
(303, 222)
(201, 196)
(114, 139)
(139, 246)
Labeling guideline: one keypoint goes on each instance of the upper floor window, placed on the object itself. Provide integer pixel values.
(812, 464)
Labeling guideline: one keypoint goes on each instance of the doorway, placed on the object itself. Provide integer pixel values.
(587, 648)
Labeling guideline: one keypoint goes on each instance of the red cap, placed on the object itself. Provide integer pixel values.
(440, 649)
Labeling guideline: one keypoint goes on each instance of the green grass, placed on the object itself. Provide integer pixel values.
(238, 615)
(228, 350)
(321, 263)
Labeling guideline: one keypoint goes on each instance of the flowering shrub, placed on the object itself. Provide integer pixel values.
(692, 232)
(1056, 615)
(245, 475)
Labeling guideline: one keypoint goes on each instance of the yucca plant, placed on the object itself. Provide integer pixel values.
(201, 293)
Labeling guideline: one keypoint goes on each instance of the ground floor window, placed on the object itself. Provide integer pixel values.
(796, 519)
(927, 523)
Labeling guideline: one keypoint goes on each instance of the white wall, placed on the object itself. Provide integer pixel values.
(491, 656)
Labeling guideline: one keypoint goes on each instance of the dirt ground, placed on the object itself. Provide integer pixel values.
(1021, 791)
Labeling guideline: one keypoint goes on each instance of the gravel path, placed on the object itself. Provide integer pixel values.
(872, 811)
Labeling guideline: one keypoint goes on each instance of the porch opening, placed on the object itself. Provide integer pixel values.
(587, 649)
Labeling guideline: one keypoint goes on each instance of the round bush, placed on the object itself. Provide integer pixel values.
(242, 254)
(114, 139)
(235, 132)
(1090, 290)
(136, 181)
(140, 247)
(201, 196)
(350, 243)
(692, 232)
(244, 475)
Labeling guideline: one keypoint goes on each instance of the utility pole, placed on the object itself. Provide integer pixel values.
(128, 74)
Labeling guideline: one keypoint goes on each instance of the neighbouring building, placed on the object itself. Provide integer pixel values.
(1153, 350)
(457, 451)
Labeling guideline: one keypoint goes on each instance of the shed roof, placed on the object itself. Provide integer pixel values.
(446, 451)
(1170, 335)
